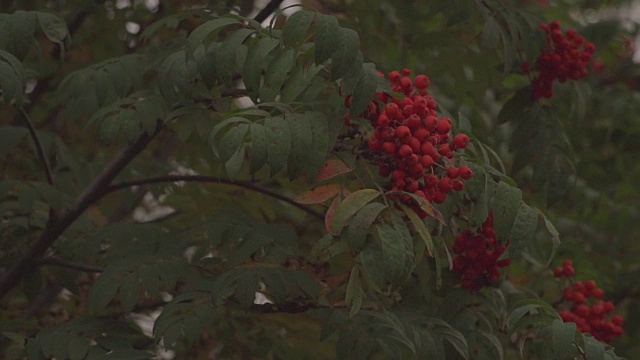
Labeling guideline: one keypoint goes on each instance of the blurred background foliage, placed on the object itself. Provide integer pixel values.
(474, 69)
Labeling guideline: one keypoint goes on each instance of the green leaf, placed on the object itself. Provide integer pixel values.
(234, 164)
(351, 78)
(347, 44)
(384, 261)
(125, 354)
(326, 248)
(593, 349)
(53, 27)
(516, 107)
(276, 74)
(354, 294)
(232, 141)
(524, 228)
(278, 142)
(301, 141)
(317, 152)
(258, 135)
(129, 290)
(52, 196)
(12, 86)
(490, 33)
(255, 62)
(226, 123)
(295, 29)
(10, 137)
(350, 206)
(505, 205)
(420, 227)
(361, 222)
(297, 82)
(21, 25)
(563, 336)
(206, 30)
(78, 347)
(327, 31)
(365, 89)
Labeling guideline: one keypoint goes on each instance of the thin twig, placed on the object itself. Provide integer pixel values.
(56, 261)
(38, 145)
(90, 195)
(214, 180)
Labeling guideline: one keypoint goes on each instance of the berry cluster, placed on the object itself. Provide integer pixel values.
(565, 56)
(586, 307)
(412, 144)
(478, 257)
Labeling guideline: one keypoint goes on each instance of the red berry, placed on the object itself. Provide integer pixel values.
(402, 131)
(394, 76)
(458, 185)
(389, 147)
(426, 161)
(421, 81)
(465, 172)
(453, 172)
(444, 125)
(558, 272)
(461, 141)
(405, 150)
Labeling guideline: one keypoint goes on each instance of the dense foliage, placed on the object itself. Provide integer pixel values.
(338, 179)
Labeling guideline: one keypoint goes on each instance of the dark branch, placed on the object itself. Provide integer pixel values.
(38, 145)
(215, 180)
(98, 188)
(272, 6)
(56, 261)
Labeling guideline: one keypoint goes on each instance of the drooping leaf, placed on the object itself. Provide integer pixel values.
(327, 30)
(365, 89)
(296, 27)
(345, 52)
(205, 31)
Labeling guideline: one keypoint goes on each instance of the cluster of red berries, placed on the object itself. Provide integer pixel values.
(478, 257)
(586, 307)
(413, 145)
(565, 56)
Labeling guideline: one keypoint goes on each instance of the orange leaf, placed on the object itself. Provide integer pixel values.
(318, 195)
(331, 168)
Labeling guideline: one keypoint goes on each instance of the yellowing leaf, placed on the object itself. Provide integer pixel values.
(332, 168)
(318, 195)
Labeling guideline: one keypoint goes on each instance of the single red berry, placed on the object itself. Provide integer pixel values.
(397, 174)
(375, 144)
(426, 161)
(558, 272)
(405, 150)
(453, 172)
(389, 147)
(421, 81)
(402, 131)
(568, 270)
(465, 172)
(458, 185)
(394, 76)
(383, 120)
(444, 125)
(430, 180)
(461, 141)
(617, 320)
